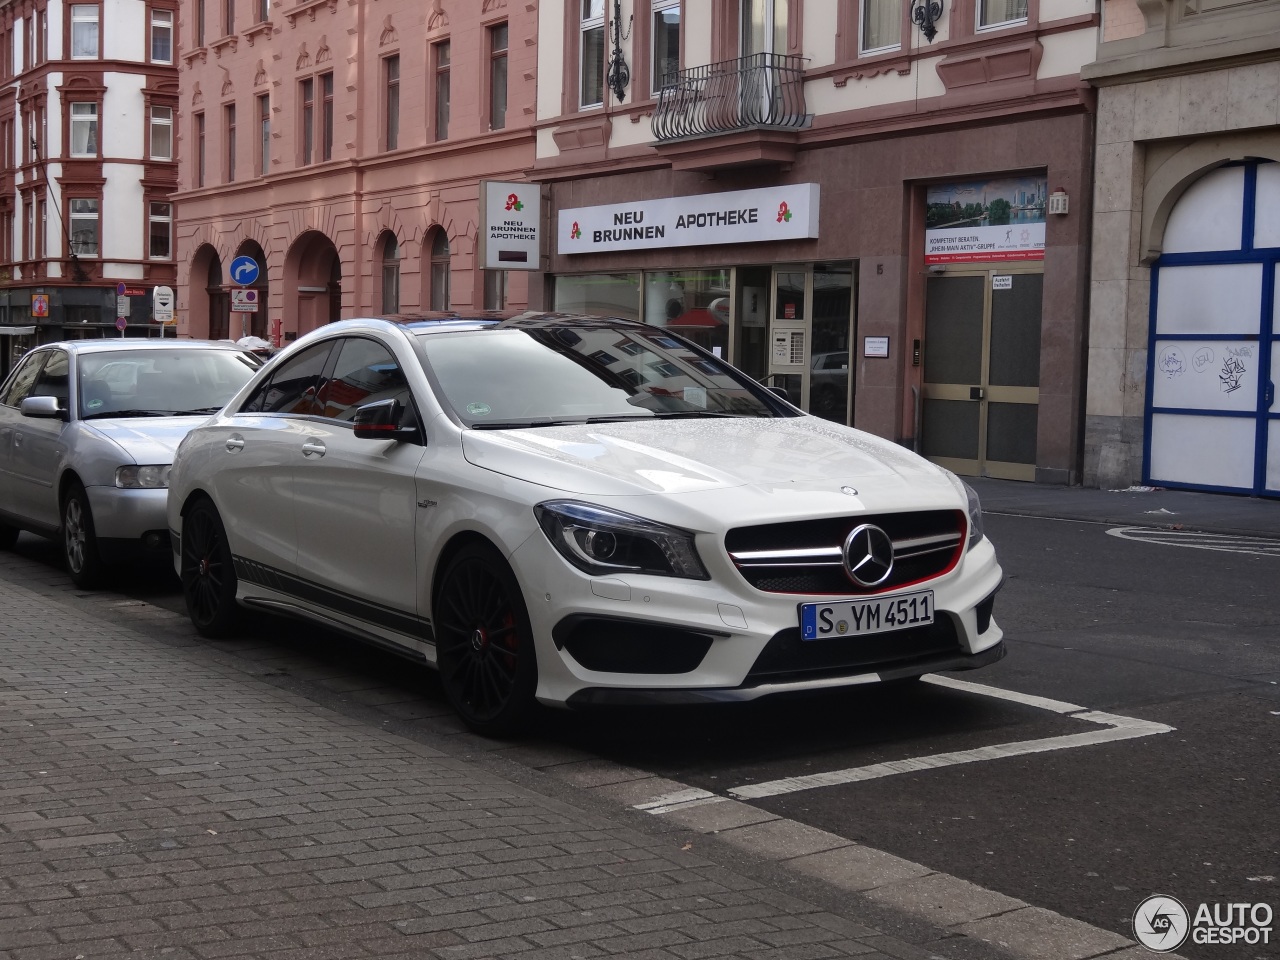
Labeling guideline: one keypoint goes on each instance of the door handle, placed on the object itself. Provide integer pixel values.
(235, 443)
(975, 393)
(313, 447)
(17, 439)
(1271, 394)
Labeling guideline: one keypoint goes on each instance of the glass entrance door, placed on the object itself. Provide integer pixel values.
(793, 329)
(982, 371)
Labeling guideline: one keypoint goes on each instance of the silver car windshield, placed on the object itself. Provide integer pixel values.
(160, 383)
(510, 378)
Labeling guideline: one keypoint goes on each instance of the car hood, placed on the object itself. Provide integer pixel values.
(146, 439)
(695, 456)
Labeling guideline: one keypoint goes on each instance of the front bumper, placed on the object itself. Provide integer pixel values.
(120, 514)
(721, 639)
(606, 696)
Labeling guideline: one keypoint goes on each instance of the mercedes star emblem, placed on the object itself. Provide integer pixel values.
(849, 491)
(868, 555)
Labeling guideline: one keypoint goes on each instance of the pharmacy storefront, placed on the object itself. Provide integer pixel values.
(789, 324)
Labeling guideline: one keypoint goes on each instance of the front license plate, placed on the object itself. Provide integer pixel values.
(845, 618)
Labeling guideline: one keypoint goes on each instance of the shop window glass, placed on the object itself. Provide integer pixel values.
(602, 294)
(693, 303)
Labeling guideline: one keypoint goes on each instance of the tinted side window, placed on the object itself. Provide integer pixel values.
(54, 380)
(365, 372)
(19, 386)
(292, 388)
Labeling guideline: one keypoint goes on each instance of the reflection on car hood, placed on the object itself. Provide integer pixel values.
(146, 439)
(689, 456)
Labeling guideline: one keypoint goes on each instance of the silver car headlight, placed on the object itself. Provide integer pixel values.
(601, 541)
(143, 476)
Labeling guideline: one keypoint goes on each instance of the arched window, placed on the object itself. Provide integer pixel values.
(440, 271)
(390, 274)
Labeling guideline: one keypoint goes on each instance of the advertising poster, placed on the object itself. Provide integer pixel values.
(985, 220)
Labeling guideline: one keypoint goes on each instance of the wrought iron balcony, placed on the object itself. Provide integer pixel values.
(762, 91)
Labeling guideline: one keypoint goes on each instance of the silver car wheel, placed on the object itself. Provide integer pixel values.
(80, 544)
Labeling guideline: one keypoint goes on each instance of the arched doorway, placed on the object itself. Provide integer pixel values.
(1214, 349)
(255, 324)
(210, 305)
(312, 284)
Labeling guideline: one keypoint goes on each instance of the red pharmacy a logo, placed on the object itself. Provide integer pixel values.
(576, 232)
(784, 212)
(513, 202)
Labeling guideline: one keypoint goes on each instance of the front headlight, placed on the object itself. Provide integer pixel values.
(975, 516)
(600, 541)
(143, 477)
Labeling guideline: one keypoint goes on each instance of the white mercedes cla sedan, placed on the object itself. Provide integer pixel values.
(575, 510)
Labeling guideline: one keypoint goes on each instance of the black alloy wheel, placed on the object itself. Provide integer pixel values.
(79, 541)
(484, 642)
(208, 573)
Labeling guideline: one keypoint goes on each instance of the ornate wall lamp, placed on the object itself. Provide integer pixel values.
(925, 14)
(619, 74)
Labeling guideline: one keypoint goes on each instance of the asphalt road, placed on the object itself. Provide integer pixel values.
(1187, 638)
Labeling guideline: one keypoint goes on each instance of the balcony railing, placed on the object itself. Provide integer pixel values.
(762, 90)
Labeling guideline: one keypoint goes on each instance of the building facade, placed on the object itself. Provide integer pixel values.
(87, 167)
(341, 147)
(1184, 339)
(889, 218)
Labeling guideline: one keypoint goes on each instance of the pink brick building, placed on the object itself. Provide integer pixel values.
(342, 146)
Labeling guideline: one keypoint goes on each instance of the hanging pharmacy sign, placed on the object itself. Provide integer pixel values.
(512, 219)
(742, 216)
(985, 220)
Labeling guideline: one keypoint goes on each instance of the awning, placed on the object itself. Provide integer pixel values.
(16, 331)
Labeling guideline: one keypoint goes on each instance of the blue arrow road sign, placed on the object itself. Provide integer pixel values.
(244, 270)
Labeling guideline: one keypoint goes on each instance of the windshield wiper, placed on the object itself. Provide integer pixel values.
(690, 414)
(197, 410)
(126, 413)
(520, 424)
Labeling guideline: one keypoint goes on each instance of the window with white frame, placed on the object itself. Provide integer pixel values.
(84, 129)
(591, 54)
(84, 31)
(160, 231)
(161, 133)
(665, 40)
(881, 26)
(999, 13)
(83, 222)
(162, 36)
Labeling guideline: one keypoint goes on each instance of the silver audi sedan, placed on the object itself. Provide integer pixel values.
(87, 434)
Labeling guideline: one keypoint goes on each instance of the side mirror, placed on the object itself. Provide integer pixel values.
(380, 420)
(44, 408)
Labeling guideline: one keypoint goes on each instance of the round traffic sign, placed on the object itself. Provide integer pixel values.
(120, 288)
(244, 270)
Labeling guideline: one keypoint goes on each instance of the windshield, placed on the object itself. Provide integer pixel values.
(507, 378)
(160, 383)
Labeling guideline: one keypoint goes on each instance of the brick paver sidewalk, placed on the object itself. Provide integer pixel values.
(156, 802)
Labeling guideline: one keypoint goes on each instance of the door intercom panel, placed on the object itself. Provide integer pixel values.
(787, 349)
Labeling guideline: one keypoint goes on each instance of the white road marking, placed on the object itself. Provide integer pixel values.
(1221, 542)
(1114, 728)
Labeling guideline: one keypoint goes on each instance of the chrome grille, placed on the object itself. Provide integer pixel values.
(805, 556)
